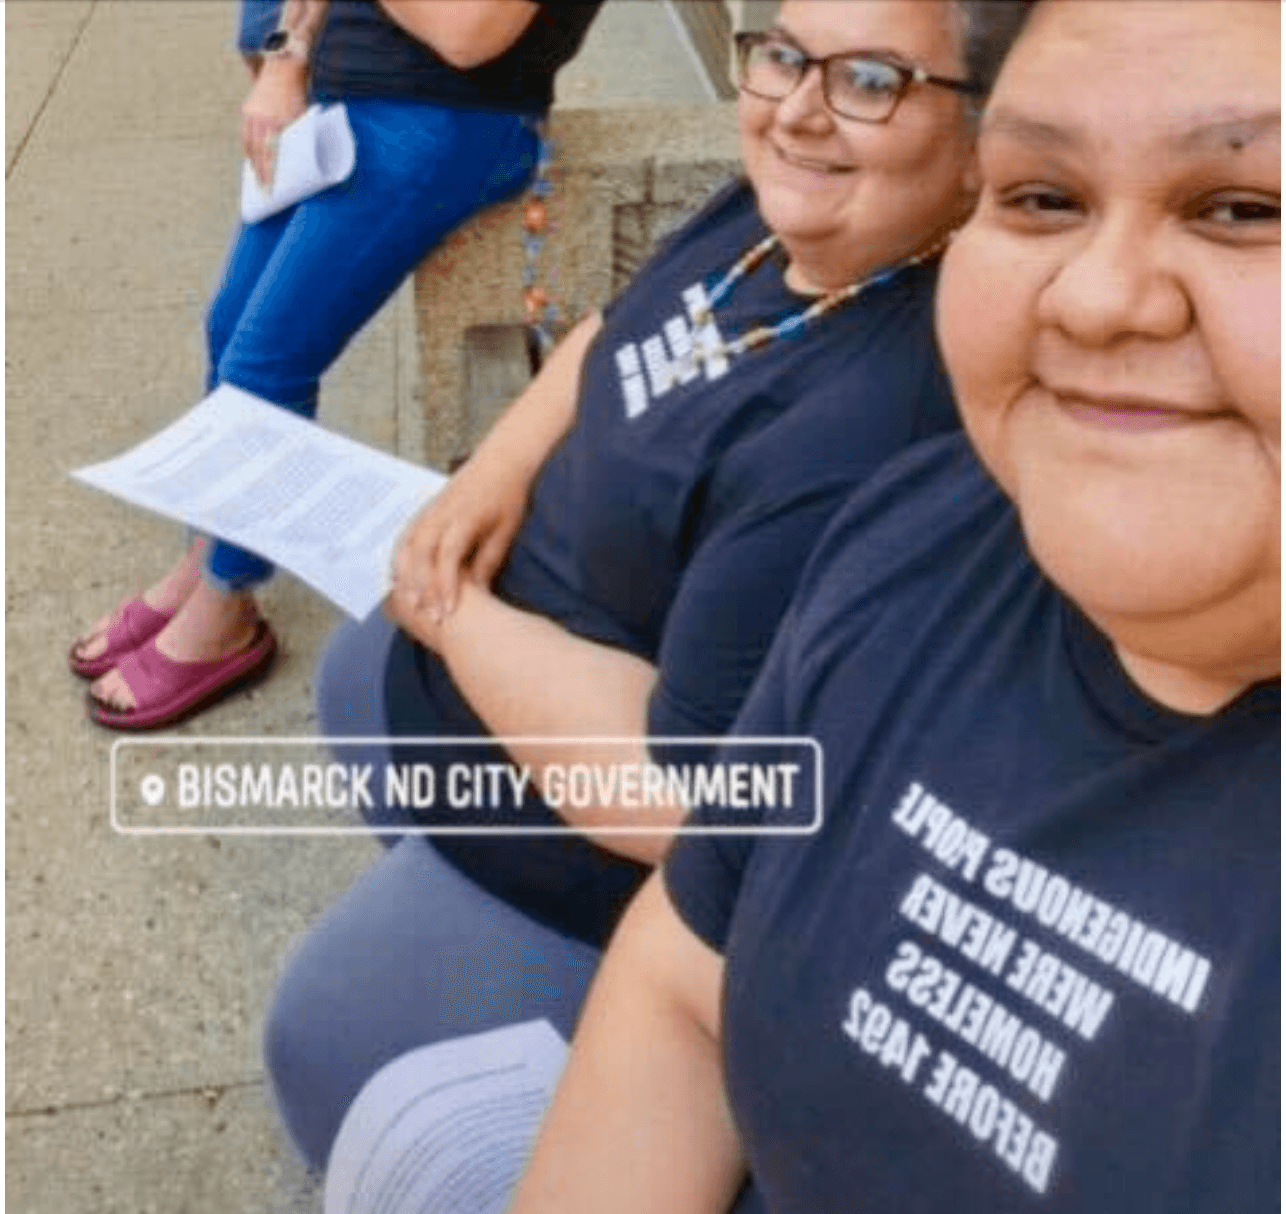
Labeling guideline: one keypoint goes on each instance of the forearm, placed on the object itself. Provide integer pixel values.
(640, 1122)
(468, 528)
(279, 94)
(526, 676)
(465, 33)
(303, 18)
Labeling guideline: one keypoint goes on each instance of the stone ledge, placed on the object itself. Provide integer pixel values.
(621, 178)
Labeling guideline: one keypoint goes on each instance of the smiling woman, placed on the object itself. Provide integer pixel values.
(1132, 403)
(849, 196)
(638, 595)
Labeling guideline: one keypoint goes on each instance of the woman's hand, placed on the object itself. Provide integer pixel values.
(426, 622)
(278, 96)
(467, 530)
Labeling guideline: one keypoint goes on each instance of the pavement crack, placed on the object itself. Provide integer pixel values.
(211, 1093)
(50, 91)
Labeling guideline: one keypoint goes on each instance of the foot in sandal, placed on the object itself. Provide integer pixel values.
(214, 643)
(136, 620)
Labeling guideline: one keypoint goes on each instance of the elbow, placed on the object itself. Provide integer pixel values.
(462, 53)
(463, 39)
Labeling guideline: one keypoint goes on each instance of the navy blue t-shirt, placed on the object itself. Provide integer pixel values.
(674, 519)
(362, 52)
(1031, 960)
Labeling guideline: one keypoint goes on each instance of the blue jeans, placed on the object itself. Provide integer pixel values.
(257, 19)
(298, 285)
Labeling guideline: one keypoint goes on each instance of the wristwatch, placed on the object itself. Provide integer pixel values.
(285, 44)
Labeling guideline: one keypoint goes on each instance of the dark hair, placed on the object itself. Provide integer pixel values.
(990, 29)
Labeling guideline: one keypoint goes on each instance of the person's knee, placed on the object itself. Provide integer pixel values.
(296, 1067)
(349, 680)
(302, 1033)
(220, 323)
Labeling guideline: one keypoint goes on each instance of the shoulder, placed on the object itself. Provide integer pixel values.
(837, 403)
(918, 512)
(723, 228)
(930, 523)
(729, 217)
(900, 348)
(878, 366)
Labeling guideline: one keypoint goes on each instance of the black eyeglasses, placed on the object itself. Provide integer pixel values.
(860, 85)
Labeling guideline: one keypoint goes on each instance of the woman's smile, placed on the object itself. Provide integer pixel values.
(813, 165)
(1128, 413)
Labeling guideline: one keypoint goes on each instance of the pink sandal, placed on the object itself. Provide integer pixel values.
(166, 691)
(133, 625)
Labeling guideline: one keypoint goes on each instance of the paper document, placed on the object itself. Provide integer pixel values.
(316, 151)
(321, 505)
(446, 1129)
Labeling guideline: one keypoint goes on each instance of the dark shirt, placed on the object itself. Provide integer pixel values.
(1031, 961)
(674, 519)
(362, 53)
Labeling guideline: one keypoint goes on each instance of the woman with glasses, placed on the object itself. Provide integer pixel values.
(1031, 961)
(614, 559)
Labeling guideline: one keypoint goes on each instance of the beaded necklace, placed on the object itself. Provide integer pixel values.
(761, 335)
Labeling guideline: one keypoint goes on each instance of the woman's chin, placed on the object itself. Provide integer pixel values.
(1143, 574)
(797, 221)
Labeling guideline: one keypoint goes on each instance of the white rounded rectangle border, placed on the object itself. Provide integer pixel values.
(174, 776)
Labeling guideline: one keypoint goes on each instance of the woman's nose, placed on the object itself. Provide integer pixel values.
(1116, 282)
(805, 105)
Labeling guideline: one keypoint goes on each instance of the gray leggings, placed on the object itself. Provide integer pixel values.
(413, 953)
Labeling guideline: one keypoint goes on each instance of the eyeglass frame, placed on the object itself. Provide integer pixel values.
(746, 40)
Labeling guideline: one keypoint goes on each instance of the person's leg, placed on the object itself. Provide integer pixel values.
(249, 255)
(421, 170)
(349, 697)
(413, 953)
(298, 286)
(165, 595)
(216, 624)
(349, 682)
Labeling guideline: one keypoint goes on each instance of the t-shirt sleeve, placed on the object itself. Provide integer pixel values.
(703, 873)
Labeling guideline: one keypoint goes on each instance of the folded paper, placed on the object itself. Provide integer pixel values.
(315, 152)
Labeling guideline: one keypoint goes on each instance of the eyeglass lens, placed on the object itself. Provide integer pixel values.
(855, 86)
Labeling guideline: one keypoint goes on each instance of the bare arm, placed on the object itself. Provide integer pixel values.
(520, 671)
(465, 33)
(526, 676)
(280, 90)
(640, 1122)
(303, 18)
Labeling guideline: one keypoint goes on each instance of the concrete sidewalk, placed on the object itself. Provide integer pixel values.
(138, 968)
